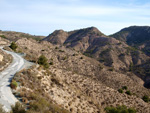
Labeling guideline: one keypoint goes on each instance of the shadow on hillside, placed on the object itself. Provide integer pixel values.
(143, 72)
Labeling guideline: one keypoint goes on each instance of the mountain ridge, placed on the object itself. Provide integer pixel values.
(91, 42)
(135, 36)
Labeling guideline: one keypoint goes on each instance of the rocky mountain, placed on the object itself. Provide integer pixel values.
(136, 36)
(13, 36)
(91, 42)
(78, 39)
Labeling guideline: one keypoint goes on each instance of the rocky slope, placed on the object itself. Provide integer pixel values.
(139, 38)
(88, 84)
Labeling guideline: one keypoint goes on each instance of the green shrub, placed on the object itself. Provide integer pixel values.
(13, 84)
(124, 87)
(43, 61)
(13, 46)
(146, 98)
(120, 90)
(128, 92)
(18, 108)
(56, 47)
(120, 109)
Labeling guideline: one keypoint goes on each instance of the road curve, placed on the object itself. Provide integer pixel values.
(6, 96)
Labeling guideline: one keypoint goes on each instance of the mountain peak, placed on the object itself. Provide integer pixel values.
(59, 31)
(57, 37)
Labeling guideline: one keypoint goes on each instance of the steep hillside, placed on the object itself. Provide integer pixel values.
(88, 84)
(137, 36)
(13, 36)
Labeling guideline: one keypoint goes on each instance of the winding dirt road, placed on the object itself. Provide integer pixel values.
(6, 96)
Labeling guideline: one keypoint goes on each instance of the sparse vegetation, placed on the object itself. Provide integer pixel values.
(124, 88)
(3, 36)
(120, 109)
(70, 76)
(38, 101)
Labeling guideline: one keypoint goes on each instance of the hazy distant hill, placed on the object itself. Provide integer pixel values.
(13, 36)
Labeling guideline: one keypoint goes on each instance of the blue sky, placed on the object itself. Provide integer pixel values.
(41, 17)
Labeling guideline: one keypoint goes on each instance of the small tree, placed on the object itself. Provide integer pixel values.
(146, 98)
(13, 46)
(43, 61)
